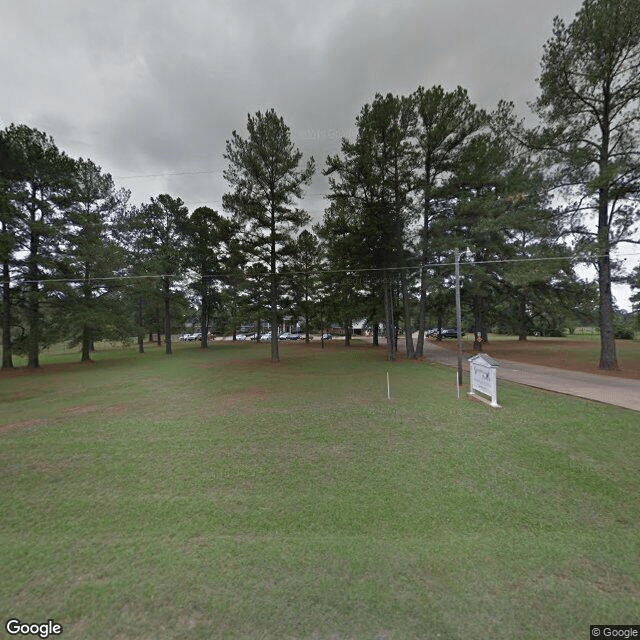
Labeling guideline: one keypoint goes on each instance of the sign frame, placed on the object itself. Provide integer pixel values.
(483, 379)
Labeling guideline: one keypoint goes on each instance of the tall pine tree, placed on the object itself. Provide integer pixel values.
(589, 104)
(266, 184)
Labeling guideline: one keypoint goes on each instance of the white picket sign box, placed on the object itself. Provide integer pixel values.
(482, 377)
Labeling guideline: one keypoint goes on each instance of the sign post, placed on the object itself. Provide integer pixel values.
(482, 377)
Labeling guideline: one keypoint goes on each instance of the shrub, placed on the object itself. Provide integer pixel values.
(624, 332)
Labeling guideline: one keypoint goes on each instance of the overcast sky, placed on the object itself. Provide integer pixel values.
(151, 88)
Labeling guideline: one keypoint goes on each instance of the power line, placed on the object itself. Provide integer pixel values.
(172, 173)
(431, 265)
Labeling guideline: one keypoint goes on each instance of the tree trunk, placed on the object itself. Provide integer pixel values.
(139, 322)
(422, 313)
(275, 355)
(478, 324)
(204, 317)
(608, 357)
(408, 328)
(426, 217)
(167, 316)
(394, 326)
(388, 312)
(7, 347)
(86, 343)
(87, 332)
(33, 320)
(204, 331)
(33, 302)
(522, 316)
(159, 327)
(376, 331)
(347, 334)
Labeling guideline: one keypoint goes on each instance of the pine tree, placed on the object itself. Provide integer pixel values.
(304, 277)
(265, 184)
(165, 218)
(590, 106)
(447, 122)
(90, 304)
(208, 236)
(42, 177)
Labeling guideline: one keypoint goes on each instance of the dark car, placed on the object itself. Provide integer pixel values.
(446, 333)
(451, 333)
(327, 336)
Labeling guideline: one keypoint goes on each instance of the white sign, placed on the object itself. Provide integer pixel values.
(482, 376)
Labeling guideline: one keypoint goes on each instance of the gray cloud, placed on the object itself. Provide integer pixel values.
(147, 87)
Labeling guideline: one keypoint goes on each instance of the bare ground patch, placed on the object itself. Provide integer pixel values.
(84, 408)
(21, 424)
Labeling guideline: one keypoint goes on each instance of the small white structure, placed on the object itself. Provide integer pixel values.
(482, 377)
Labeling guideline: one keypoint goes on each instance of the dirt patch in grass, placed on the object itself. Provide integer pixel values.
(70, 411)
(572, 355)
(20, 424)
(86, 408)
(18, 372)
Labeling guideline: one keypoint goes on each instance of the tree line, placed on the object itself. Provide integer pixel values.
(426, 174)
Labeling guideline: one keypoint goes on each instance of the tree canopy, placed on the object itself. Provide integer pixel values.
(425, 175)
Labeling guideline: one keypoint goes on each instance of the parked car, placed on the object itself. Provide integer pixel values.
(294, 336)
(285, 336)
(184, 337)
(446, 333)
(194, 337)
(241, 337)
(265, 337)
(327, 336)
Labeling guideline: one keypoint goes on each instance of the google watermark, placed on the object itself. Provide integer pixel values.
(615, 631)
(15, 627)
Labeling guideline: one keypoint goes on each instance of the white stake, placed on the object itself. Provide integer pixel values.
(388, 388)
(457, 385)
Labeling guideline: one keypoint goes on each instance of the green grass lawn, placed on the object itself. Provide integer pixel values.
(212, 494)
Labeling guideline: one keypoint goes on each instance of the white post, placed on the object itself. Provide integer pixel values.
(388, 388)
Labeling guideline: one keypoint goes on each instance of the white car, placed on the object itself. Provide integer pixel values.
(265, 337)
(241, 337)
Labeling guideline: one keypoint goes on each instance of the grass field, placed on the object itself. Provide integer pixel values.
(212, 494)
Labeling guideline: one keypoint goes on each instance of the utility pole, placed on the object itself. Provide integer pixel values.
(458, 315)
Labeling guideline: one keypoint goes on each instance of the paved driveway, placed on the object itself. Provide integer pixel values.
(622, 392)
